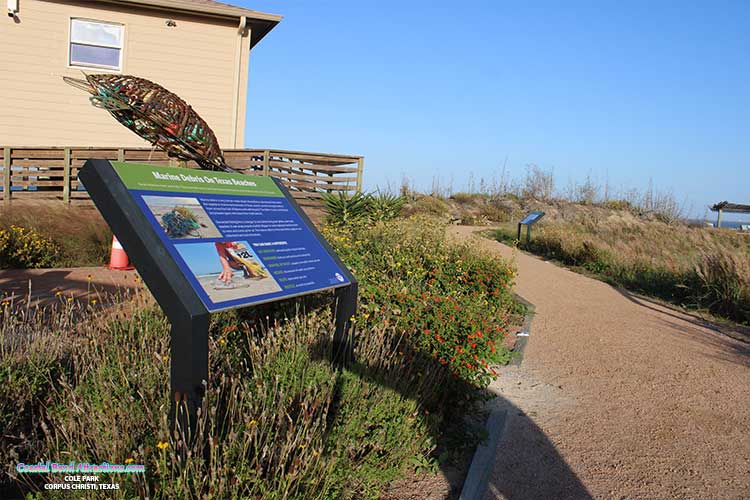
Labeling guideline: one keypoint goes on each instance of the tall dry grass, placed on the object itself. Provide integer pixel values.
(725, 280)
(279, 420)
(691, 266)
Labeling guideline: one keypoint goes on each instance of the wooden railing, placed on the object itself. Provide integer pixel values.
(52, 173)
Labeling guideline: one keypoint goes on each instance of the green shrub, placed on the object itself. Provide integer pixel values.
(452, 300)
(81, 236)
(385, 207)
(26, 248)
(341, 208)
(280, 421)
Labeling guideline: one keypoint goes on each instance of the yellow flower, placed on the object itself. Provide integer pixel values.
(88, 277)
(70, 299)
(253, 422)
(162, 445)
(93, 302)
(165, 357)
(129, 461)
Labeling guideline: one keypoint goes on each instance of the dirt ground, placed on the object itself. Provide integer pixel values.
(52, 285)
(619, 397)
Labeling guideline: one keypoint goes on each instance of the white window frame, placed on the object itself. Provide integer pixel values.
(100, 67)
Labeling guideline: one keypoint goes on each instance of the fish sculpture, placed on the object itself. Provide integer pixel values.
(155, 114)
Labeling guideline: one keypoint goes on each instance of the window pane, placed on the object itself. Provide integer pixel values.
(95, 33)
(101, 56)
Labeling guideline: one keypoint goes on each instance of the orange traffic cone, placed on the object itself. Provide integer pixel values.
(118, 259)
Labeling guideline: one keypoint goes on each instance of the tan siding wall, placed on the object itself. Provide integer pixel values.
(196, 60)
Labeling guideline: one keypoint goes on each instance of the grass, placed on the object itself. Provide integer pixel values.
(58, 236)
(90, 383)
(694, 267)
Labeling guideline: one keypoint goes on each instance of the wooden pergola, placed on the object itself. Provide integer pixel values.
(725, 206)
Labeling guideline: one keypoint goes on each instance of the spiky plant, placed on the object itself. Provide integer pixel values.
(385, 206)
(341, 208)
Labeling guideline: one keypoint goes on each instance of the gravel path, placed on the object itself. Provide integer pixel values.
(619, 397)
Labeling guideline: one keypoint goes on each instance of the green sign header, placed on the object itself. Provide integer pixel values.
(184, 180)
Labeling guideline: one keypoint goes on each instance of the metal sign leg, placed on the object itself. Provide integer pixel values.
(345, 307)
(189, 370)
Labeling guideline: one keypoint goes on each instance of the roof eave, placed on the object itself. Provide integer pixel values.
(261, 23)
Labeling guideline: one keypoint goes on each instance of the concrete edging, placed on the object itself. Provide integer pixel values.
(475, 484)
(522, 336)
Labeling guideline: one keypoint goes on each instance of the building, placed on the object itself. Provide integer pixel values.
(198, 49)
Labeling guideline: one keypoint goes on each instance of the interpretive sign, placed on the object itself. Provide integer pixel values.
(528, 221)
(236, 237)
(532, 217)
(205, 241)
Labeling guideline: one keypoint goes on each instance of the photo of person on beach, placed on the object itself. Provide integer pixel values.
(233, 256)
(227, 270)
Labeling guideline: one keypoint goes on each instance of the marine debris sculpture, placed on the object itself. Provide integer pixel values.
(157, 115)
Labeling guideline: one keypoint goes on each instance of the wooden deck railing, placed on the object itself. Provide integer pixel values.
(52, 173)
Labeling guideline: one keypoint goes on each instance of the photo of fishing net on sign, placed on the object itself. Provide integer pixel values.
(155, 114)
(181, 217)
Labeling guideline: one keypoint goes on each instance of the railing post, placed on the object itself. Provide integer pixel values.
(6, 175)
(266, 162)
(360, 172)
(120, 154)
(66, 176)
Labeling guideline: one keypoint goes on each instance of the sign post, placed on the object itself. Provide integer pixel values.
(206, 241)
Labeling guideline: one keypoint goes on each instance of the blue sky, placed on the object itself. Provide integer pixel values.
(624, 91)
(201, 258)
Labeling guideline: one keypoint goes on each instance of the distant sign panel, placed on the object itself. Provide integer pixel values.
(236, 238)
(532, 217)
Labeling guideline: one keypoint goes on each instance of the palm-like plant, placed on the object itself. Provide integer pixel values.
(385, 206)
(340, 208)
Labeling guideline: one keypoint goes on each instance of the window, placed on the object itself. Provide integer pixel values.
(95, 44)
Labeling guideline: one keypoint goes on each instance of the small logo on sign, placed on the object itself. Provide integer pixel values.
(339, 277)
